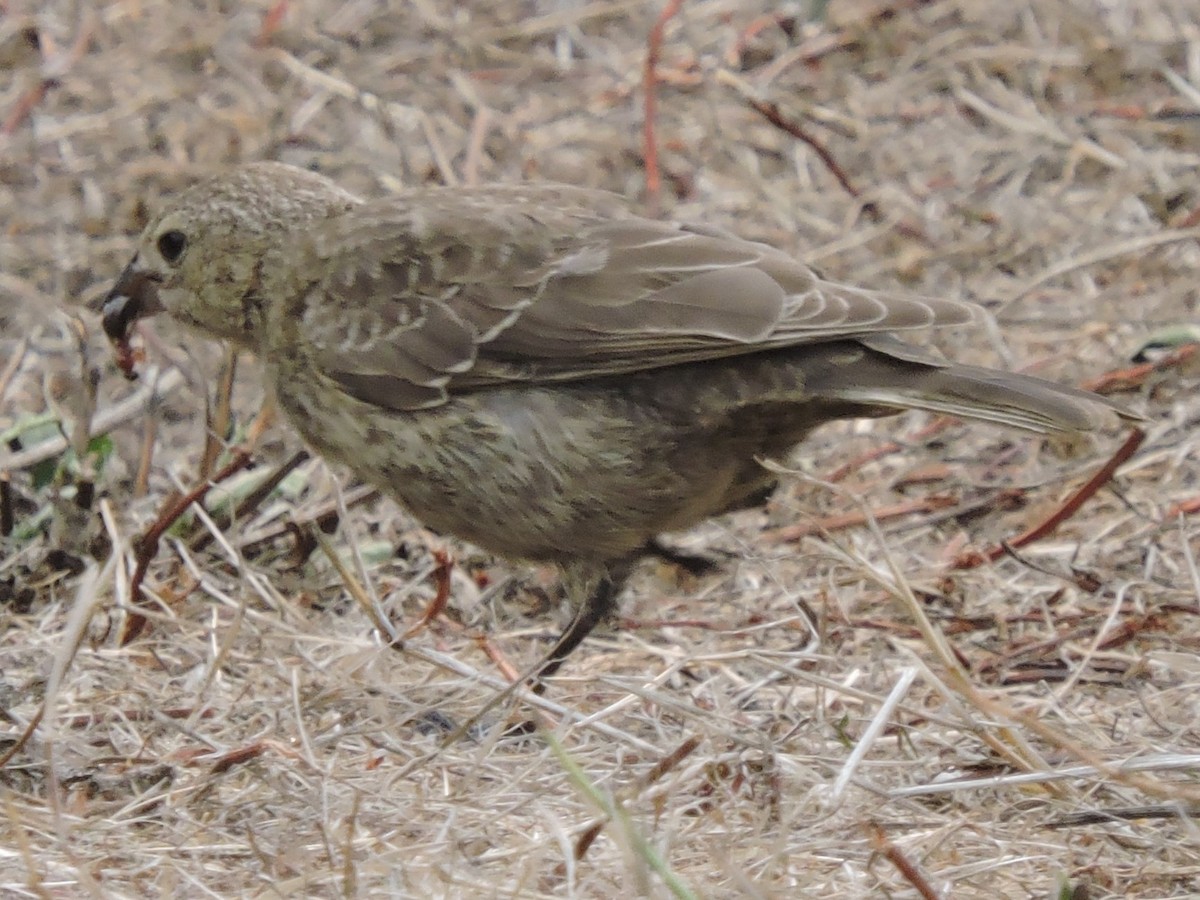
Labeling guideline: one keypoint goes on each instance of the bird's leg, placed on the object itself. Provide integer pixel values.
(695, 564)
(601, 593)
(698, 564)
(600, 603)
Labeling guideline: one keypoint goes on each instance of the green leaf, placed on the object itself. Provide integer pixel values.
(44, 472)
(101, 447)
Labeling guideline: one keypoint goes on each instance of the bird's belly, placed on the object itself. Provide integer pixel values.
(543, 474)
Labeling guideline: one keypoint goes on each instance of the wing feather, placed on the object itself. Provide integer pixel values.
(441, 290)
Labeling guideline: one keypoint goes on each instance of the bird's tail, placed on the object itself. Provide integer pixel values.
(889, 374)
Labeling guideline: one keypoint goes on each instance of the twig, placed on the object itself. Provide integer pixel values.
(219, 413)
(8, 518)
(893, 854)
(650, 89)
(652, 776)
(14, 364)
(931, 503)
(480, 126)
(507, 670)
(358, 495)
(1071, 506)
(853, 465)
(146, 546)
(772, 113)
(141, 480)
(1183, 508)
(272, 21)
(441, 575)
(1134, 376)
(253, 499)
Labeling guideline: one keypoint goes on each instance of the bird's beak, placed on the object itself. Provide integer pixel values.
(133, 297)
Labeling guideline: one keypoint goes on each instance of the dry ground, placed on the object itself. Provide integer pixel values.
(784, 728)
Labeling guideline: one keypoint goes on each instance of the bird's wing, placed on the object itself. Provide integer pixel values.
(445, 291)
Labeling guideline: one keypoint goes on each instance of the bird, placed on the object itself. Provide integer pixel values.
(538, 370)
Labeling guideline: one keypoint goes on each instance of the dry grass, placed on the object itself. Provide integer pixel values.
(786, 728)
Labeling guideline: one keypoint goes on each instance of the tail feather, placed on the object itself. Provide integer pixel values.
(904, 377)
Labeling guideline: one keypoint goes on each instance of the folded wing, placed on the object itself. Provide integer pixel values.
(442, 291)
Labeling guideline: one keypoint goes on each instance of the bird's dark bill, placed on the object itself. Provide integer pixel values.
(132, 297)
(123, 306)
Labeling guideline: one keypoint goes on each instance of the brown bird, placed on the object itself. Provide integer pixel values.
(538, 370)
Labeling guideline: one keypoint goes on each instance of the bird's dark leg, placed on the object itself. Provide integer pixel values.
(695, 564)
(698, 564)
(599, 604)
(601, 593)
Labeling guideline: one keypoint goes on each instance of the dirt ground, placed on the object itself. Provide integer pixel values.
(850, 707)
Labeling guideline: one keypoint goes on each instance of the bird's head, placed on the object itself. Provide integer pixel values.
(202, 259)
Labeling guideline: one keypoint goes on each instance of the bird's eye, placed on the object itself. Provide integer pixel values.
(171, 245)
